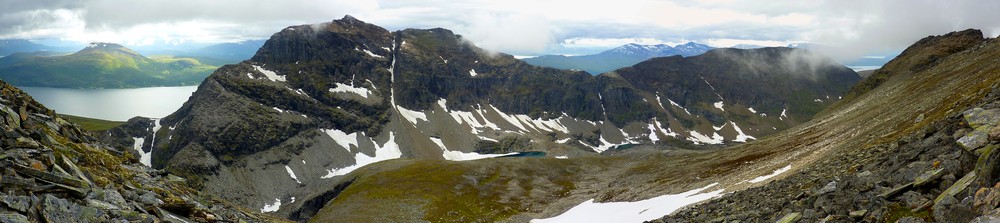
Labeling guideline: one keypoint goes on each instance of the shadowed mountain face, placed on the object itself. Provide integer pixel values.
(100, 65)
(623, 56)
(318, 101)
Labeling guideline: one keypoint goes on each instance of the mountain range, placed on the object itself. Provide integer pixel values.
(349, 122)
(623, 56)
(100, 65)
(315, 104)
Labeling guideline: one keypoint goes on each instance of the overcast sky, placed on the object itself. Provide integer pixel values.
(521, 27)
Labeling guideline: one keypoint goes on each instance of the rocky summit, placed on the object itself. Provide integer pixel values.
(54, 172)
(319, 101)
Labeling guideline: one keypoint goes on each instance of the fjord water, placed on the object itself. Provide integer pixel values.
(113, 104)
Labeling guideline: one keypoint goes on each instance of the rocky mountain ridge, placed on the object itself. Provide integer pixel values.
(319, 101)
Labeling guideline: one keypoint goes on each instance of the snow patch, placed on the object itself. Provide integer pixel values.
(270, 74)
(698, 138)
(511, 119)
(740, 136)
(563, 141)
(719, 106)
(783, 116)
(343, 139)
(665, 131)
(271, 207)
(462, 156)
(144, 157)
(390, 150)
(363, 92)
(562, 157)
(278, 109)
(472, 72)
(775, 173)
(369, 53)
(292, 174)
(411, 115)
(752, 111)
(674, 104)
(636, 211)
(652, 133)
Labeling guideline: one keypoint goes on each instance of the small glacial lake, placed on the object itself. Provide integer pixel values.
(113, 104)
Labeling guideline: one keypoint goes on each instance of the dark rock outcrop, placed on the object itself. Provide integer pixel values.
(50, 171)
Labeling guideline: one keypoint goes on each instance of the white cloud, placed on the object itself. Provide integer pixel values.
(514, 26)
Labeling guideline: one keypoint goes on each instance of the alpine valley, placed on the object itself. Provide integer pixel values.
(346, 121)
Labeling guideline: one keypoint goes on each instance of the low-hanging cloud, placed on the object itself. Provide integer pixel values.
(851, 27)
(515, 33)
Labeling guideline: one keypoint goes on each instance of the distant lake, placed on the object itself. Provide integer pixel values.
(113, 104)
(861, 68)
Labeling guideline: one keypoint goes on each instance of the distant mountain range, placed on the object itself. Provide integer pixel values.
(623, 56)
(10, 46)
(225, 53)
(100, 65)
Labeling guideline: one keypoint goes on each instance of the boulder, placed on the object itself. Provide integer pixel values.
(978, 117)
(790, 218)
(951, 210)
(60, 210)
(10, 217)
(928, 177)
(974, 140)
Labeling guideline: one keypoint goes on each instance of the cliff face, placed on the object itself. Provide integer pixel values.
(319, 101)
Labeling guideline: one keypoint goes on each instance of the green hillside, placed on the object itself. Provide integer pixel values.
(103, 65)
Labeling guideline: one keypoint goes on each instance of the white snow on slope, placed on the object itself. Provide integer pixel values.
(390, 150)
(370, 53)
(719, 106)
(411, 115)
(363, 92)
(637, 211)
(698, 138)
(270, 74)
(675, 104)
(740, 136)
(665, 131)
(752, 111)
(271, 207)
(144, 157)
(462, 156)
(292, 174)
(775, 173)
(782, 116)
(472, 72)
(511, 119)
(652, 133)
(341, 138)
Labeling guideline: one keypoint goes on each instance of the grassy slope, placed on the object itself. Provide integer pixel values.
(881, 115)
(91, 124)
(105, 70)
